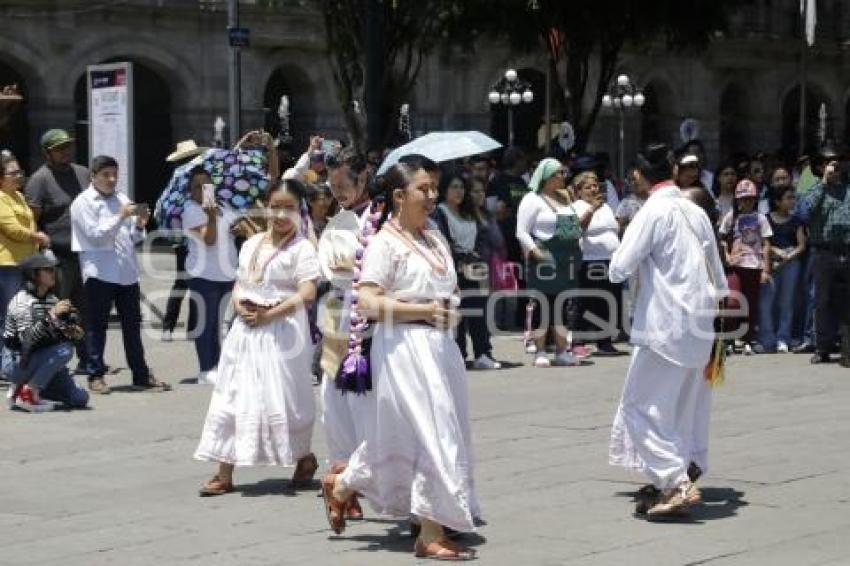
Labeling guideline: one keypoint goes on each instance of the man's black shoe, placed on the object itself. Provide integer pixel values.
(820, 359)
(804, 348)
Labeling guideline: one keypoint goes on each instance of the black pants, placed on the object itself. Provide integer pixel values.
(127, 300)
(475, 324)
(832, 286)
(593, 276)
(178, 291)
(69, 285)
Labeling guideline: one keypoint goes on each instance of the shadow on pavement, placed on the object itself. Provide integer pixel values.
(271, 487)
(717, 503)
(398, 539)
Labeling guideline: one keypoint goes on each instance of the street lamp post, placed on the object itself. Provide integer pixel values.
(218, 131)
(511, 91)
(284, 136)
(622, 96)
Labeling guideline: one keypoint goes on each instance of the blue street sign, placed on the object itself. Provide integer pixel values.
(239, 37)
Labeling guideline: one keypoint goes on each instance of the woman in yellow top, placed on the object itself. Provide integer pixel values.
(19, 237)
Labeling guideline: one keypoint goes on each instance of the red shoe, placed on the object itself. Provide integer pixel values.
(581, 351)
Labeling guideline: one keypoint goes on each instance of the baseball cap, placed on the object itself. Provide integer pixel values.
(745, 189)
(55, 138)
(688, 160)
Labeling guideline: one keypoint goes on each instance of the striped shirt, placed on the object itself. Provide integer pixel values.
(25, 309)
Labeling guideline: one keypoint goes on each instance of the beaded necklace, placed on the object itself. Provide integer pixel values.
(433, 256)
(256, 275)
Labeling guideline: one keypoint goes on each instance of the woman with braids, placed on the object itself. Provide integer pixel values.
(262, 408)
(416, 458)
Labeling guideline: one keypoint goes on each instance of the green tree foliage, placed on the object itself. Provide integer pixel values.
(593, 33)
(399, 36)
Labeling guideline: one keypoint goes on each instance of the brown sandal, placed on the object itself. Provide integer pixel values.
(305, 470)
(334, 509)
(353, 510)
(216, 486)
(443, 550)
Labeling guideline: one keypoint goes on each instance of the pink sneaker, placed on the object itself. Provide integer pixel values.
(581, 351)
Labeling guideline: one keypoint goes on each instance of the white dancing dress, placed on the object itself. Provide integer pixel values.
(417, 456)
(262, 408)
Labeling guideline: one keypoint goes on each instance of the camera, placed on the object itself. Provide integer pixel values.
(71, 318)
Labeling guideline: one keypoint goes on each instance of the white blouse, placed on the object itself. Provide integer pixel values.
(536, 219)
(296, 264)
(404, 274)
(602, 237)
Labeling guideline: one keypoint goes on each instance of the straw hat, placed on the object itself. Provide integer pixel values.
(184, 150)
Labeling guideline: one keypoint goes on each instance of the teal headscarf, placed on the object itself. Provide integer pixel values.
(545, 171)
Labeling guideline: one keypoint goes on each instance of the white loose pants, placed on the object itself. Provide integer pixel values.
(662, 422)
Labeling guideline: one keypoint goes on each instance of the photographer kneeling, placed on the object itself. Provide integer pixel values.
(39, 335)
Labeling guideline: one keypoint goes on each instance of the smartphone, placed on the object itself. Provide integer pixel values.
(330, 147)
(208, 197)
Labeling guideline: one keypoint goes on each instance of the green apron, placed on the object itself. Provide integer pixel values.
(559, 272)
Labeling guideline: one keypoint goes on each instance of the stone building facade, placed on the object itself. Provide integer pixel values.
(744, 90)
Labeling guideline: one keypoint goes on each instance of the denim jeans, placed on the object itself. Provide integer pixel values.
(210, 296)
(776, 311)
(807, 282)
(100, 297)
(47, 371)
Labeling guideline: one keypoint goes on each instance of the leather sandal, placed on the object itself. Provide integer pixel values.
(353, 510)
(215, 486)
(337, 467)
(305, 470)
(334, 509)
(443, 550)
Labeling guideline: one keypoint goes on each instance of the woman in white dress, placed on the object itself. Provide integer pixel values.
(262, 408)
(416, 459)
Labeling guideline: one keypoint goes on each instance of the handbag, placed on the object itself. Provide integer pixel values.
(503, 274)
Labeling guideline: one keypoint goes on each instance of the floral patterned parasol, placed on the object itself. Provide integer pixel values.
(240, 178)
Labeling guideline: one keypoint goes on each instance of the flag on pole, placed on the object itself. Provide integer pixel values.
(809, 9)
(555, 42)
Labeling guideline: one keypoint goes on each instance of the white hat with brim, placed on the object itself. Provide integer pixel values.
(338, 246)
(185, 150)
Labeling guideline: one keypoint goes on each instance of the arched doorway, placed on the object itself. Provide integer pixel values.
(527, 118)
(295, 84)
(815, 97)
(658, 122)
(735, 111)
(15, 134)
(152, 136)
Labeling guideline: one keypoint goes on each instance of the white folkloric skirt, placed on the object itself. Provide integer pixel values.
(417, 456)
(262, 407)
(344, 418)
(662, 422)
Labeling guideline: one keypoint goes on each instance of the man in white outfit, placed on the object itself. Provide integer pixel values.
(661, 426)
(344, 413)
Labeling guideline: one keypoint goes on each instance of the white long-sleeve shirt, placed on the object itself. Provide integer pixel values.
(671, 246)
(105, 241)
